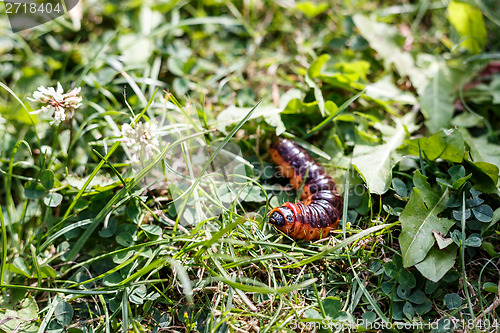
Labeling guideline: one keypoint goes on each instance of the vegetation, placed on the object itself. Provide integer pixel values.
(139, 203)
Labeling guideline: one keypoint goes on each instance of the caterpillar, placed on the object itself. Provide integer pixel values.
(320, 208)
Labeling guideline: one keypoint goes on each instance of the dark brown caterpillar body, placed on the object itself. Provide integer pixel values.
(320, 209)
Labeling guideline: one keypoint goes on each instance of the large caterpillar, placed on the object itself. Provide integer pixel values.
(320, 209)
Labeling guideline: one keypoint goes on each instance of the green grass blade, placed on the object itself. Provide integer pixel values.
(335, 114)
(340, 245)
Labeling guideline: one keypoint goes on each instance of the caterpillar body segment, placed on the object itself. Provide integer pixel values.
(320, 208)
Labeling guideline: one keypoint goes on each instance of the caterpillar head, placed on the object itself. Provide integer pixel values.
(280, 216)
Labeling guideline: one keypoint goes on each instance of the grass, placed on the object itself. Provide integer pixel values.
(179, 241)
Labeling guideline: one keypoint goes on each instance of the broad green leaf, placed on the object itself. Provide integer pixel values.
(48, 272)
(441, 241)
(428, 194)
(452, 301)
(234, 114)
(406, 278)
(446, 144)
(375, 163)
(318, 94)
(484, 176)
(316, 67)
(437, 262)
(368, 318)
(468, 21)
(417, 297)
(473, 240)
(400, 187)
(383, 38)
(495, 219)
(63, 313)
(408, 310)
(457, 214)
(418, 221)
(423, 308)
(436, 102)
(138, 293)
(312, 8)
(491, 287)
(403, 291)
(136, 49)
(22, 267)
(47, 178)
(332, 306)
(20, 317)
(347, 74)
(33, 190)
(384, 89)
(313, 314)
(52, 199)
(152, 229)
(483, 213)
(481, 149)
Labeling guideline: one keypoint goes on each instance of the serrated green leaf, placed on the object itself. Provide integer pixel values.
(436, 102)
(441, 241)
(418, 221)
(384, 89)
(446, 144)
(383, 38)
(375, 163)
(234, 114)
(437, 262)
(482, 150)
(429, 196)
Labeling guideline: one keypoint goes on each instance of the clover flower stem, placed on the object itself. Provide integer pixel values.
(70, 146)
(464, 274)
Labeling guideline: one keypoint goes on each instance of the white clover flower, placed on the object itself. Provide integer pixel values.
(140, 139)
(59, 104)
